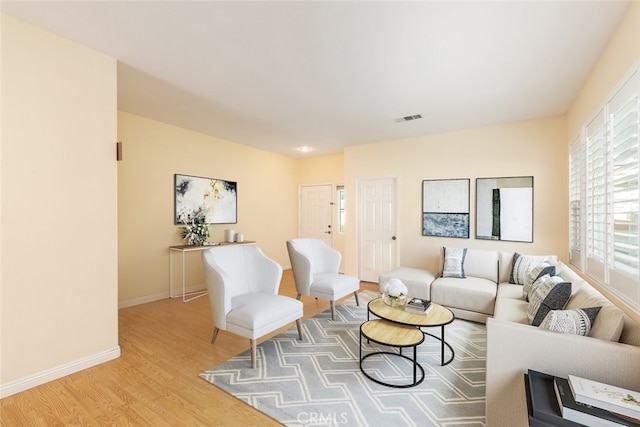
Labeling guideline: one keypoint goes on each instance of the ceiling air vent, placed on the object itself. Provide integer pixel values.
(408, 118)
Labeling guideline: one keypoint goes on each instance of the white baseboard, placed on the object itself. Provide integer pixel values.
(142, 300)
(163, 295)
(48, 375)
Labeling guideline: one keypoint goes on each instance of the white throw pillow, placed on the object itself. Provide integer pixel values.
(454, 262)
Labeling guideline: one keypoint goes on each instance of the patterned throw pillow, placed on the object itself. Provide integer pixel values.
(522, 266)
(577, 321)
(454, 262)
(548, 293)
(536, 272)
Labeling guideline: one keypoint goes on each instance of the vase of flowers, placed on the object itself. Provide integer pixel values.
(395, 293)
(196, 234)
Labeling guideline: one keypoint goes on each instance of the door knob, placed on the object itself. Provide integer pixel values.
(393, 238)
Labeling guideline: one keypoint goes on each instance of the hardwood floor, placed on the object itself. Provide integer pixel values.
(165, 346)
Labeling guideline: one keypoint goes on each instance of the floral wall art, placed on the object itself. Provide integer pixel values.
(205, 200)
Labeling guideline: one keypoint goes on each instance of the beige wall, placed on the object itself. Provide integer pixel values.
(536, 148)
(58, 221)
(321, 170)
(152, 153)
(622, 51)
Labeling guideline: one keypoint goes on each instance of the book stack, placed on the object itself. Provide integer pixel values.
(418, 306)
(593, 403)
(553, 401)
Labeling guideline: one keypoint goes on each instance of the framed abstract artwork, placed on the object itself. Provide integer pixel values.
(504, 208)
(205, 200)
(445, 208)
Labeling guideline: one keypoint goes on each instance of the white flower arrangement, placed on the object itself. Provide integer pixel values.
(395, 293)
(196, 233)
(395, 288)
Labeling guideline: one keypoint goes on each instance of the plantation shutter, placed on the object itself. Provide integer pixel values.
(604, 193)
(596, 196)
(576, 182)
(624, 262)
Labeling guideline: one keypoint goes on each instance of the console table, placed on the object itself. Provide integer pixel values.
(183, 249)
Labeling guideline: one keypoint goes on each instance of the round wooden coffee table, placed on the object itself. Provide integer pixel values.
(438, 316)
(394, 335)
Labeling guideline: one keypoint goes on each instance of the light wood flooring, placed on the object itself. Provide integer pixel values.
(165, 345)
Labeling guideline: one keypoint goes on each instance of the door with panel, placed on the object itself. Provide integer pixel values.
(377, 227)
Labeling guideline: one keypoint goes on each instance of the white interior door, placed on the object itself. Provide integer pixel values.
(377, 227)
(316, 212)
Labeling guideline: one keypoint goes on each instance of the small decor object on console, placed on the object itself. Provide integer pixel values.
(395, 293)
(611, 398)
(196, 234)
(418, 306)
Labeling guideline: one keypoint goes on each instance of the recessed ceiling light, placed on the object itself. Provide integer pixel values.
(408, 118)
(304, 149)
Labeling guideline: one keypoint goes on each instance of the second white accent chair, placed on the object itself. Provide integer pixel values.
(315, 271)
(243, 289)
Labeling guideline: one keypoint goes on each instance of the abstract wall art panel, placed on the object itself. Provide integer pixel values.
(207, 200)
(445, 225)
(445, 208)
(504, 208)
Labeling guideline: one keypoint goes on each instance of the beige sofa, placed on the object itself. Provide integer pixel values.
(611, 352)
(472, 298)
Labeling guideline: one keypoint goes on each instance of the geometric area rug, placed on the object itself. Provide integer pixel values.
(318, 382)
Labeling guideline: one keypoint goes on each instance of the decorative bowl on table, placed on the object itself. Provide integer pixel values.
(394, 293)
(394, 301)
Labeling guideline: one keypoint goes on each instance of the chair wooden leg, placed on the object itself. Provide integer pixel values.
(333, 310)
(253, 353)
(299, 325)
(215, 335)
(355, 294)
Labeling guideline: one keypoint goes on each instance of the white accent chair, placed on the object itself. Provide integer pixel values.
(243, 291)
(315, 271)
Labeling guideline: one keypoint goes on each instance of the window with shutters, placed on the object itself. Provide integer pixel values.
(576, 221)
(341, 209)
(604, 194)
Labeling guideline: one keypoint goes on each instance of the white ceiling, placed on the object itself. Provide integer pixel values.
(328, 74)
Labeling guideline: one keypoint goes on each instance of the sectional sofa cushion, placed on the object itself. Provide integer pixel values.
(510, 305)
(522, 266)
(576, 321)
(548, 293)
(610, 320)
(481, 263)
(506, 265)
(471, 294)
(417, 281)
(631, 332)
(453, 265)
(536, 272)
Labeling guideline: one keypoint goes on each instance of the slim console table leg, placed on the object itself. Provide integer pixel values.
(187, 248)
(183, 278)
(171, 274)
